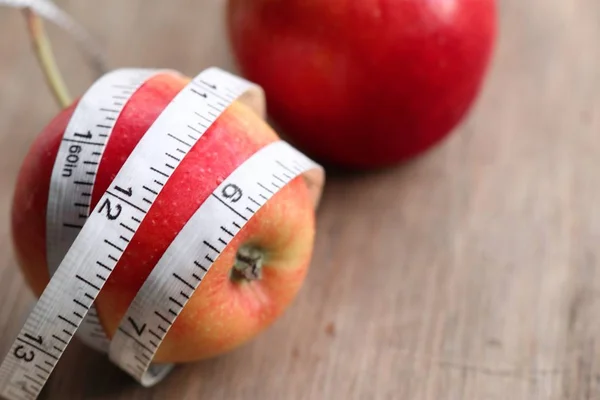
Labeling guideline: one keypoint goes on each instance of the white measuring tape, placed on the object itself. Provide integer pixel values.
(98, 243)
(75, 169)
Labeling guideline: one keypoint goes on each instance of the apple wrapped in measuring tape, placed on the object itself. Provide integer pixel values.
(254, 276)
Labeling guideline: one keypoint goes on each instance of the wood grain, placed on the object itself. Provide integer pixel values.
(471, 273)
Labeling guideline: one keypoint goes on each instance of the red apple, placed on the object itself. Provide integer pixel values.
(224, 312)
(365, 83)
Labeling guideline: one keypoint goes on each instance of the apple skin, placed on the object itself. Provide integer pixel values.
(369, 83)
(222, 314)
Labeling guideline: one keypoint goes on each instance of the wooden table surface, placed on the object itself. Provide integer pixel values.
(471, 273)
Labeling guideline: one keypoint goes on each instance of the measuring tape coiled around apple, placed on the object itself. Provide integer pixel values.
(75, 169)
(107, 231)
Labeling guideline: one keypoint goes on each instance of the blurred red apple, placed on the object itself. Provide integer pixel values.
(365, 83)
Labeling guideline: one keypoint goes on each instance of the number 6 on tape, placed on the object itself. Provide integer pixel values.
(105, 235)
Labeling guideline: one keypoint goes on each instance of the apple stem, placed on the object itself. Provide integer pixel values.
(45, 56)
(248, 264)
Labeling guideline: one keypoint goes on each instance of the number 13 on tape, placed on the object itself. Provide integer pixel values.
(108, 229)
